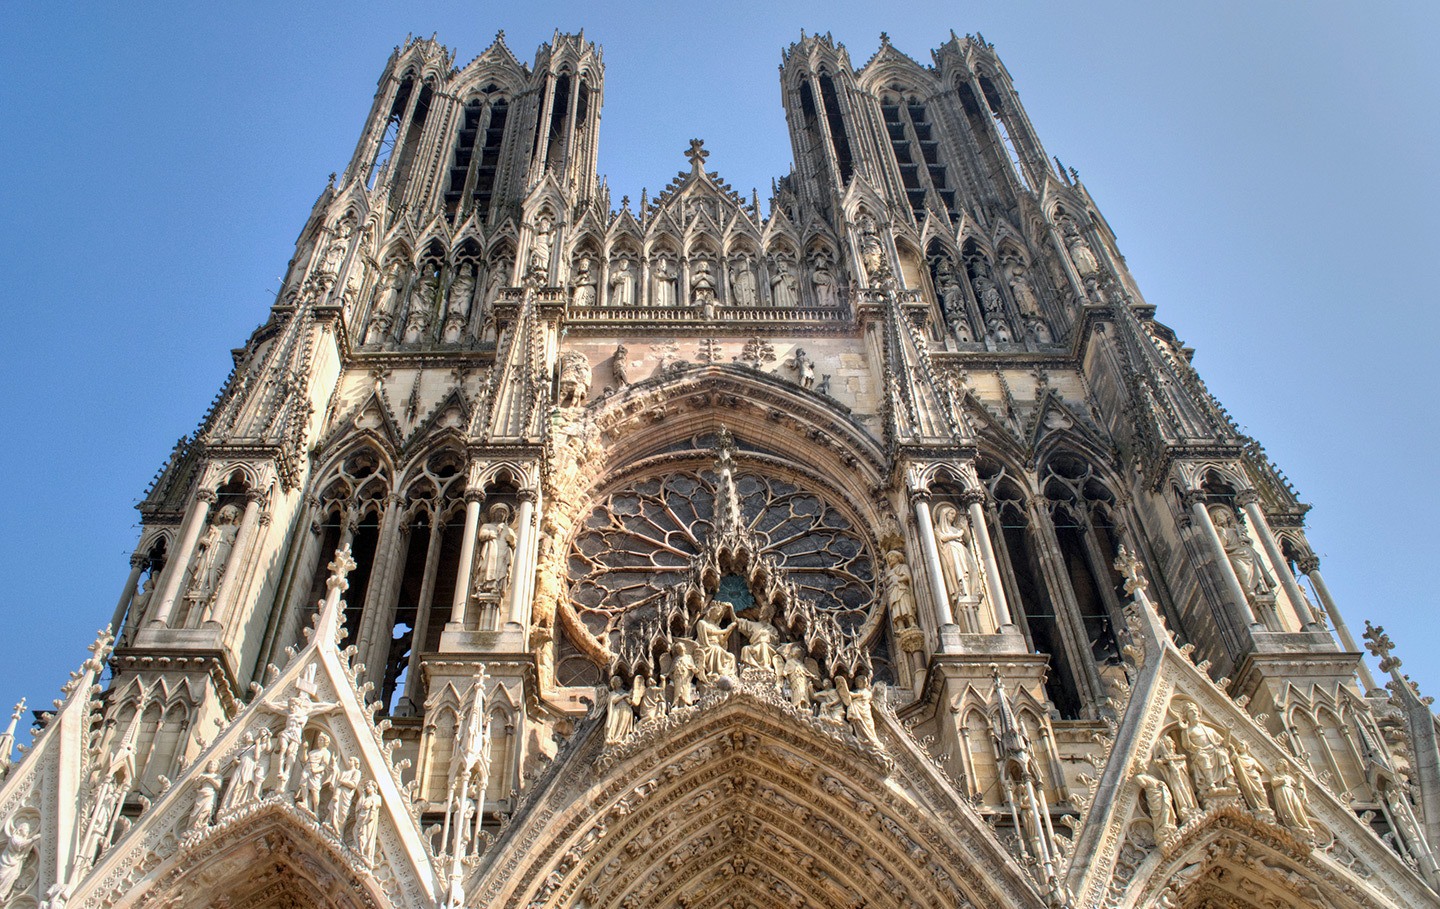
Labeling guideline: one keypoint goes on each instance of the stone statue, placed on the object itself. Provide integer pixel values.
(457, 311)
(620, 711)
(1250, 776)
(800, 673)
(859, 708)
(702, 288)
(1159, 805)
(762, 636)
(496, 539)
(298, 711)
(714, 641)
(987, 293)
(496, 276)
(388, 294)
(367, 822)
(240, 791)
(1249, 570)
(1039, 331)
(585, 282)
(957, 566)
(952, 302)
(540, 246)
(1085, 262)
(1175, 769)
(1209, 761)
(822, 277)
(899, 590)
(830, 708)
(743, 289)
(784, 288)
(804, 368)
(872, 253)
(417, 317)
(663, 278)
(620, 366)
(347, 782)
(335, 252)
(573, 386)
(651, 698)
(315, 771)
(211, 555)
(1023, 293)
(207, 792)
(142, 601)
(622, 282)
(22, 832)
(685, 668)
(1290, 798)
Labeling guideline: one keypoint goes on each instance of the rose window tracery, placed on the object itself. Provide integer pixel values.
(642, 538)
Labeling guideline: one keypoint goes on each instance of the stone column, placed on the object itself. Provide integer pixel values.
(1222, 561)
(522, 564)
(127, 594)
(1250, 501)
(1310, 565)
(378, 600)
(180, 560)
(945, 621)
(235, 561)
(473, 499)
(980, 530)
(423, 610)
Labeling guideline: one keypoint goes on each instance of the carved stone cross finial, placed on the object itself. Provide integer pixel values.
(1128, 564)
(340, 566)
(1379, 644)
(697, 155)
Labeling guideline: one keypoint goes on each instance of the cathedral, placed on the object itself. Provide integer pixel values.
(872, 547)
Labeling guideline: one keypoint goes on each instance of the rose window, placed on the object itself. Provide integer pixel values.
(640, 540)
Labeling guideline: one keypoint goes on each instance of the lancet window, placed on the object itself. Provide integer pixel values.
(916, 148)
(1002, 126)
(835, 119)
(385, 150)
(474, 169)
(1081, 510)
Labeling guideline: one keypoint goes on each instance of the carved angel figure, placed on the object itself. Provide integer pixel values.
(22, 831)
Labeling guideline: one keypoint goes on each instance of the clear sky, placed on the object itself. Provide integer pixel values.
(1270, 168)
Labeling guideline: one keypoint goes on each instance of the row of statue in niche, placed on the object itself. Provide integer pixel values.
(741, 281)
(984, 314)
(419, 308)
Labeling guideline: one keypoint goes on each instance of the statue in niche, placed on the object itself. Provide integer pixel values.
(22, 832)
(859, 707)
(347, 782)
(822, 277)
(619, 711)
(952, 300)
(804, 369)
(685, 668)
(1250, 776)
(388, 293)
(207, 793)
(664, 276)
(957, 566)
(651, 698)
(367, 822)
(986, 292)
(540, 245)
(743, 290)
(496, 540)
(800, 672)
(1209, 761)
(496, 276)
(1159, 805)
(762, 636)
(872, 252)
(211, 555)
(1290, 797)
(713, 638)
(585, 282)
(784, 288)
(1175, 769)
(622, 281)
(335, 252)
(573, 385)
(702, 288)
(1249, 570)
(1084, 260)
(1023, 293)
(458, 309)
(417, 317)
(142, 600)
(899, 590)
(315, 771)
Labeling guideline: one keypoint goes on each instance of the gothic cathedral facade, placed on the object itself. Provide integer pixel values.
(876, 548)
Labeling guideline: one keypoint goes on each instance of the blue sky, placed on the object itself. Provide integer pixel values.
(1270, 169)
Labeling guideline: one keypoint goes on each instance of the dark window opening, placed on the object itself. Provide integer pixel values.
(839, 141)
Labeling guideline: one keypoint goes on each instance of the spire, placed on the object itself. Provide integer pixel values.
(335, 586)
(7, 739)
(1014, 743)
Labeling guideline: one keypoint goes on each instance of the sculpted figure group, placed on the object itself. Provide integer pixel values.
(709, 659)
(1197, 768)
